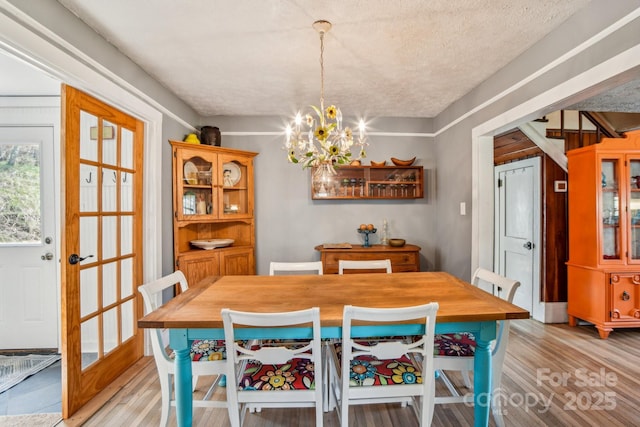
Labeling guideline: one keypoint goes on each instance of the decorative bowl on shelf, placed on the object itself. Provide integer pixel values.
(396, 243)
(378, 164)
(211, 243)
(399, 162)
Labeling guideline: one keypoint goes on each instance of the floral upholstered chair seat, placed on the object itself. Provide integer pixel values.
(206, 350)
(367, 370)
(297, 374)
(461, 344)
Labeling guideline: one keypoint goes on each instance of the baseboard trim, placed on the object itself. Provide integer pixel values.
(555, 312)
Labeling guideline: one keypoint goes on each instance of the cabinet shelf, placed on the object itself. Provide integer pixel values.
(197, 186)
(193, 250)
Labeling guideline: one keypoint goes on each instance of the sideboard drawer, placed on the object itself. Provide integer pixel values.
(403, 259)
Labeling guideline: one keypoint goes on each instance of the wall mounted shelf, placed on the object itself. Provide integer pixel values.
(370, 182)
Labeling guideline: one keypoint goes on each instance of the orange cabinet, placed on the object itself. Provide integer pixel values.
(604, 234)
(213, 199)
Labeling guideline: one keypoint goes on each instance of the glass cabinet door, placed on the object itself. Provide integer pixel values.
(394, 183)
(634, 209)
(610, 209)
(342, 182)
(195, 176)
(235, 182)
(362, 182)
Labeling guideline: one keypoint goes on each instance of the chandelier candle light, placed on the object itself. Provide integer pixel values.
(323, 143)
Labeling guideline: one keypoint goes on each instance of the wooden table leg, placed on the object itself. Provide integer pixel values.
(183, 379)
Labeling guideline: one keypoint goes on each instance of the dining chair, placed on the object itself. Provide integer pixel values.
(382, 264)
(207, 355)
(362, 371)
(455, 352)
(274, 374)
(299, 267)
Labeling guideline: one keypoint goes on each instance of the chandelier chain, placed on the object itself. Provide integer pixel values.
(321, 139)
(322, 71)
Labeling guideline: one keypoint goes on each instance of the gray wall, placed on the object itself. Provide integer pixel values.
(170, 130)
(289, 224)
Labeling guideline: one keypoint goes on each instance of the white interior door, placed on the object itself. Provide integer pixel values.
(518, 228)
(28, 294)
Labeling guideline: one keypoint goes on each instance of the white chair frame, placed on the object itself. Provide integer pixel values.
(420, 395)
(152, 296)
(504, 288)
(238, 356)
(382, 264)
(311, 266)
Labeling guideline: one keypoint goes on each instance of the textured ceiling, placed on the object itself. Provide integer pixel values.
(405, 58)
(624, 98)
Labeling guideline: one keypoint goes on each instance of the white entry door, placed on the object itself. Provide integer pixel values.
(517, 207)
(28, 294)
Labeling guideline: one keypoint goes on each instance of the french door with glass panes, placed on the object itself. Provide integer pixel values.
(101, 247)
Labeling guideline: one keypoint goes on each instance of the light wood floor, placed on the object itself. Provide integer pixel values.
(586, 380)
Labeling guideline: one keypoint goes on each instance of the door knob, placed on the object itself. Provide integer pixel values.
(528, 245)
(48, 256)
(75, 258)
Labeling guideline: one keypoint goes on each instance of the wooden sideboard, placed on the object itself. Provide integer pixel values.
(403, 259)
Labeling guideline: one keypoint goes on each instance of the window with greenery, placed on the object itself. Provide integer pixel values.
(20, 194)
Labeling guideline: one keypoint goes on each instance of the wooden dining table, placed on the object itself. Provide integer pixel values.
(195, 314)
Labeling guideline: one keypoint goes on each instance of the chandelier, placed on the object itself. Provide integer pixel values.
(320, 138)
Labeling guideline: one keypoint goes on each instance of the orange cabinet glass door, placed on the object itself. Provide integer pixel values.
(610, 209)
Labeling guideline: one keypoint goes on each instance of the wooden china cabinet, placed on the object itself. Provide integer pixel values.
(213, 203)
(604, 234)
